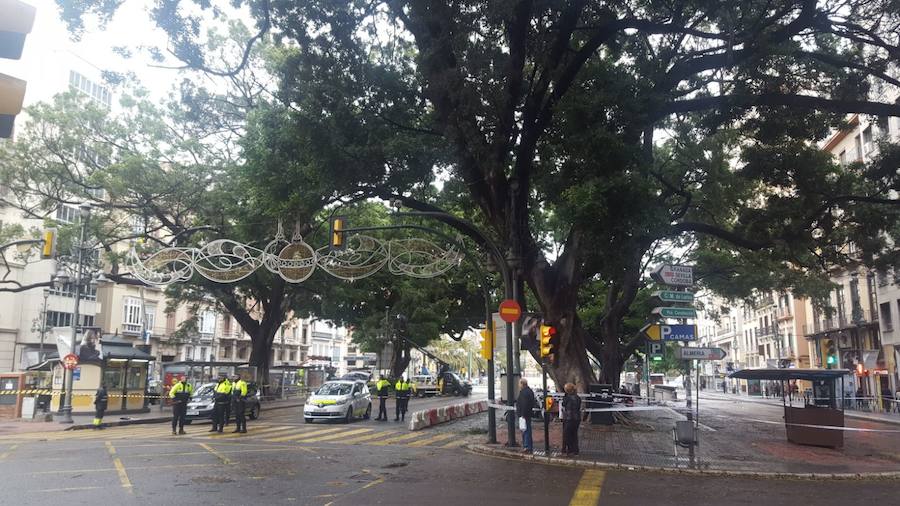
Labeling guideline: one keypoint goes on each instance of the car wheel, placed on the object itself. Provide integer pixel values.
(368, 412)
(307, 420)
(254, 412)
(349, 417)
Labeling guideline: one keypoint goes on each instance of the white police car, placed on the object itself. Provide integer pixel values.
(339, 400)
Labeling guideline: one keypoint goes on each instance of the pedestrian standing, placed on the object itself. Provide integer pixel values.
(525, 405)
(401, 394)
(101, 401)
(180, 393)
(382, 387)
(571, 405)
(221, 398)
(239, 399)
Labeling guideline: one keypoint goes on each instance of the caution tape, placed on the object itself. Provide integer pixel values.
(829, 427)
(77, 394)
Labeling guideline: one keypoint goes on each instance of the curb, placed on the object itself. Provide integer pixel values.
(847, 413)
(497, 452)
(162, 419)
(862, 416)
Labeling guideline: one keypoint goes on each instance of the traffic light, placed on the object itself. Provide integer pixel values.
(15, 23)
(830, 353)
(548, 340)
(48, 247)
(338, 224)
(487, 345)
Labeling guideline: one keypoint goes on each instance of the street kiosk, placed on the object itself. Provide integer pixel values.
(808, 420)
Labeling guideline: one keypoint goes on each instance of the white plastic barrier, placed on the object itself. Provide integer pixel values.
(426, 418)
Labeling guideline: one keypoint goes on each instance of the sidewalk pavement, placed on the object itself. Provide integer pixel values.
(86, 421)
(892, 418)
(732, 441)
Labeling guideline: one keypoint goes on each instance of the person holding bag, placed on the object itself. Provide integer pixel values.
(525, 405)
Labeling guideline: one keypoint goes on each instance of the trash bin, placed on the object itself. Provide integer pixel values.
(602, 397)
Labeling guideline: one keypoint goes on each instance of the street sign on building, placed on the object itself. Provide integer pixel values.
(675, 275)
(673, 296)
(675, 312)
(659, 332)
(686, 353)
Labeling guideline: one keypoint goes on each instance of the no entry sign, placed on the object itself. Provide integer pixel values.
(510, 311)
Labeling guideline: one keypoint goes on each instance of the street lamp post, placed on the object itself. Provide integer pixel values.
(85, 215)
(43, 325)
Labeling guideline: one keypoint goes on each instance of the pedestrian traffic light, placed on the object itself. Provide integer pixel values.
(338, 224)
(15, 23)
(487, 345)
(830, 353)
(48, 247)
(548, 340)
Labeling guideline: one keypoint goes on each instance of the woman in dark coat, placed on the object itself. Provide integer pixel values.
(571, 405)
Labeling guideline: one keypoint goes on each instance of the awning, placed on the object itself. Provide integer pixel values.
(789, 374)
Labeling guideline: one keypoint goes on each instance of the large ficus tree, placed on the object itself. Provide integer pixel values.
(586, 134)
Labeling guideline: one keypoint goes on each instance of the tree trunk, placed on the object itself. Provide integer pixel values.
(571, 363)
(261, 345)
(400, 360)
(611, 360)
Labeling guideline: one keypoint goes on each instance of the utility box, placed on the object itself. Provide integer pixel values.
(602, 397)
(29, 406)
(503, 386)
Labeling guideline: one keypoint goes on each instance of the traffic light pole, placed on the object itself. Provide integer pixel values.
(546, 409)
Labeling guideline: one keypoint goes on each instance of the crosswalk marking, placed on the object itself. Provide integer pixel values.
(369, 437)
(302, 435)
(397, 439)
(252, 432)
(330, 437)
(454, 444)
(428, 441)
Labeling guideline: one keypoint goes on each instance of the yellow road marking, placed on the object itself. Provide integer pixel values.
(212, 450)
(300, 436)
(453, 444)
(435, 439)
(330, 437)
(7, 452)
(367, 437)
(105, 469)
(251, 433)
(120, 469)
(587, 493)
(396, 439)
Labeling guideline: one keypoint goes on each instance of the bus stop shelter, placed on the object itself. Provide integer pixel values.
(815, 420)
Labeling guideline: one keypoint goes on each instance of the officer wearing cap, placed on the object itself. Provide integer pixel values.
(221, 398)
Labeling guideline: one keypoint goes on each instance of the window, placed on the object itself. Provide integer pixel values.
(226, 352)
(206, 322)
(842, 158)
(61, 319)
(867, 139)
(96, 92)
(113, 378)
(137, 225)
(131, 319)
(170, 322)
(226, 325)
(857, 143)
(886, 323)
(293, 356)
(134, 378)
(203, 355)
(68, 290)
(67, 214)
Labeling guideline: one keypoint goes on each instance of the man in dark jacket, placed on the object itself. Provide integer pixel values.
(525, 404)
(101, 401)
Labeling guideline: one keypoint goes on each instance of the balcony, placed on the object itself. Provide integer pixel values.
(784, 313)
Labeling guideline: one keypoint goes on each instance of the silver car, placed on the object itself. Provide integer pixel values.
(339, 400)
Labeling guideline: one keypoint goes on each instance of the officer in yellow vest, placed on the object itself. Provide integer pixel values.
(180, 393)
(382, 387)
(239, 397)
(221, 398)
(401, 393)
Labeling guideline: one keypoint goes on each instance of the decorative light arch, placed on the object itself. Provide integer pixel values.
(227, 261)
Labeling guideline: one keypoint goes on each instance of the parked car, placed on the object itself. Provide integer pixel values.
(200, 406)
(154, 391)
(363, 376)
(339, 400)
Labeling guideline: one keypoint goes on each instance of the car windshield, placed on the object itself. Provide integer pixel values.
(204, 391)
(335, 389)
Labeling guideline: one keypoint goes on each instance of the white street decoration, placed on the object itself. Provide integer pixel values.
(227, 261)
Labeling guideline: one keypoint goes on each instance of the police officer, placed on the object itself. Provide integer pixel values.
(239, 396)
(180, 393)
(382, 387)
(401, 392)
(101, 400)
(221, 398)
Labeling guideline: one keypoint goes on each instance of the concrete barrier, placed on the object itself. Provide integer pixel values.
(426, 418)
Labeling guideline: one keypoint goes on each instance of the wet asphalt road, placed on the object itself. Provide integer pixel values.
(284, 461)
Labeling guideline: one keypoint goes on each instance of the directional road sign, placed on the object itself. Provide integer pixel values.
(676, 275)
(672, 296)
(686, 353)
(675, 312)
(658, 332)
